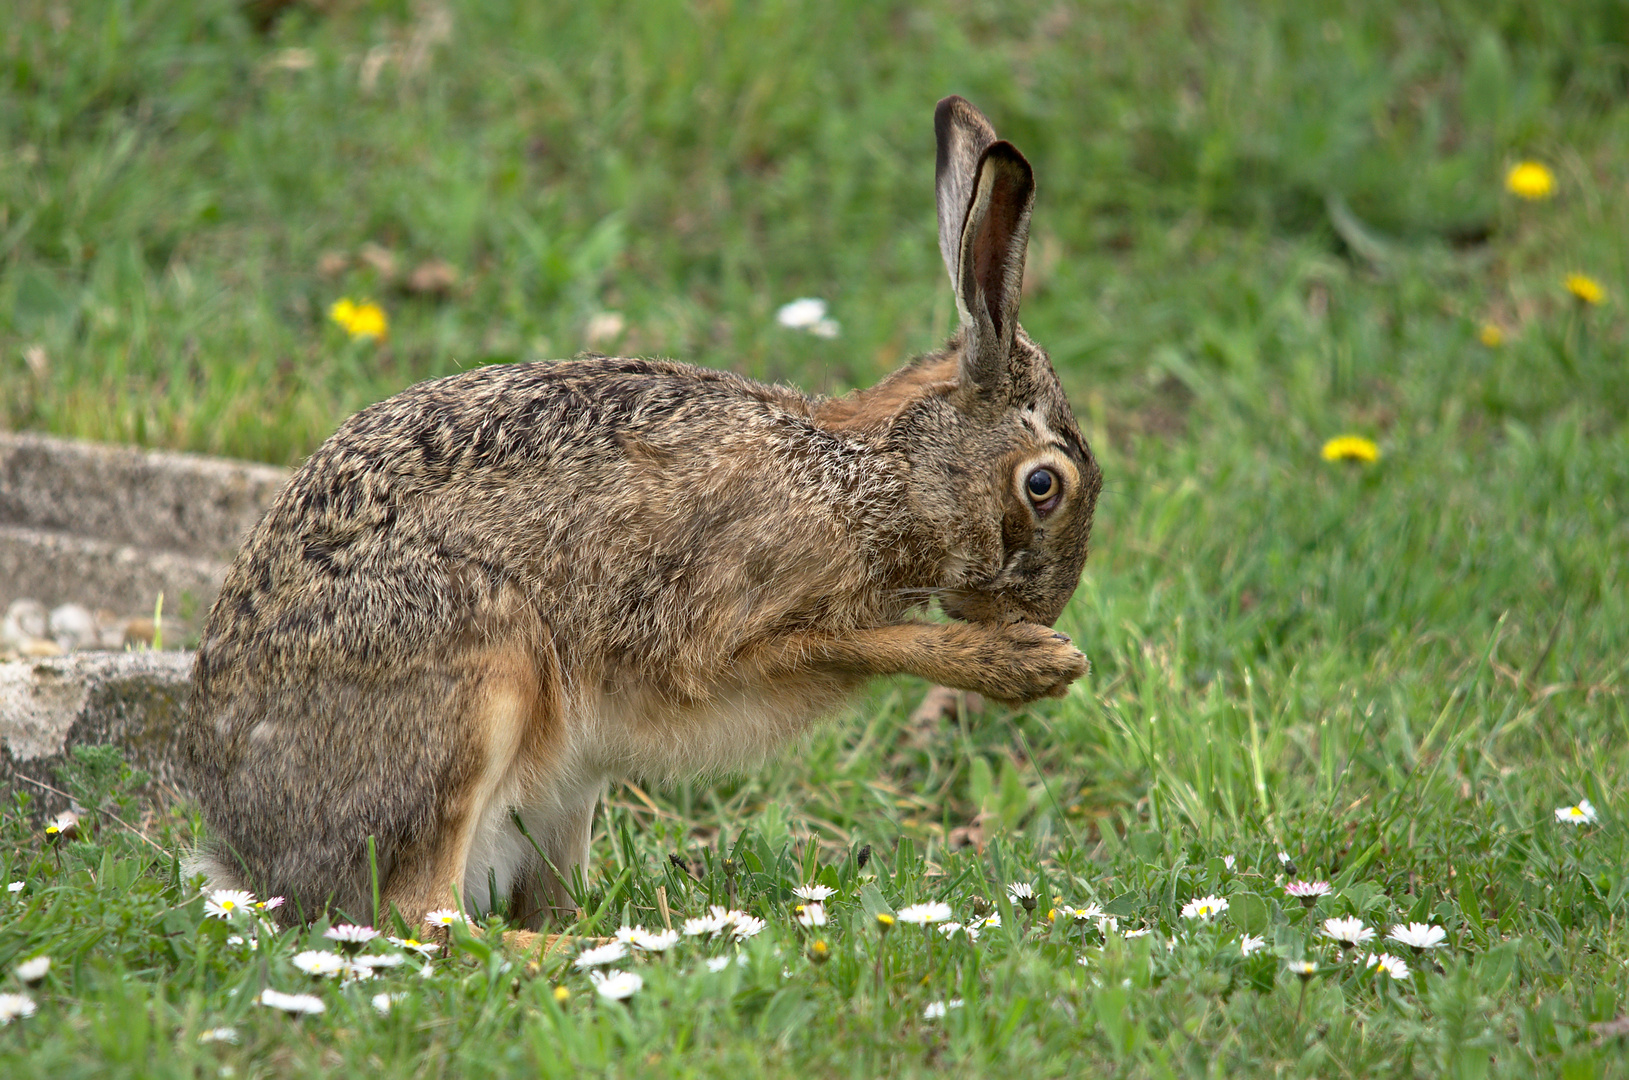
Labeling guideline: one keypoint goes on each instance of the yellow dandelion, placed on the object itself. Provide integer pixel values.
(1585, 288)
(1491, 336)
(561, 994)
(1351, 448)
(360, 320)
(1530, 180)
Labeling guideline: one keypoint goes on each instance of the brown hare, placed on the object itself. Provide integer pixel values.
(488, 595)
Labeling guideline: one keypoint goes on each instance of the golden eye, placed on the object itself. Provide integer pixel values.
(1042, 484)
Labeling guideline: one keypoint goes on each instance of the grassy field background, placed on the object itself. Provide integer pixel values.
(1258, 227)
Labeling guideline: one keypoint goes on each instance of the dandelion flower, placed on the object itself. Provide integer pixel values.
(885, 922)
(562, 994)
(1419, 936)
(1206, 907)
(219, 1034)
(365, 320)
(604, 954)
(225, 903)
(820, 952)
(32, 971)
(937, 1009)
(814, 894)
(319, 964)
(1348, 932)
(16, 1007)
(350, 938)
(811, 914)
(1351, 448)
(1490, 335)
(1249, 944)
(294, 1004)
(933, 911)
(1587, 289)
(1392, 966)
(1581, 814)
(1307, 891)
(1530, 180)
(616, 985)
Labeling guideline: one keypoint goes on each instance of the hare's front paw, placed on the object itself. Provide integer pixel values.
(1027, 661)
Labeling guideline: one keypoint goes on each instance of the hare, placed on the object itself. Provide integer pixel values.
(483, 598)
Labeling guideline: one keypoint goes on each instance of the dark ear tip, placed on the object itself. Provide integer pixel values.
(1005, 153)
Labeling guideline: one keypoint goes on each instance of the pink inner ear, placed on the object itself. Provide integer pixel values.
(993, 243)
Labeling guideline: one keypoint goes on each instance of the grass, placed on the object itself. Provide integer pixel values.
(1257, 229)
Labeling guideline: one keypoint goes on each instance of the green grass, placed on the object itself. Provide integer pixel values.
(1256, 229)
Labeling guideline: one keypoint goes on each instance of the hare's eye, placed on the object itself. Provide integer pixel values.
(1042, 484)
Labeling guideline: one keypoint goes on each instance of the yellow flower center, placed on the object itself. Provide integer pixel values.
(1530, 180)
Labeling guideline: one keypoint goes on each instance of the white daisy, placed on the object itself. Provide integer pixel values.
(704, 926)
(350, 937)
(225, 903)
(1141, 931)
(604, 954)
(16, 1007)
(32, 971)
(715, 964)
(220, 1034)
(1419, 935)
(811, 914)
(380, 960)
(1306, 891)
(423, 948)
(357, 972)
(937, 1009)
(1389, 964)
(1023, 894)
(922, 914)
(814, 894)
(1205, 907)
(992, 919)
(1107, 925)
(318, 963)
(1228, 861)
(298, 1004)
(271, 903)
(444, 917)
(15, 887)
(1581, 814)
(1249, 944)
(1349, 932)
(746, 926)
(1303, 968)
(653, 941)
(382, 1002)
(1087, 914)
(808, 313)
(616, 985)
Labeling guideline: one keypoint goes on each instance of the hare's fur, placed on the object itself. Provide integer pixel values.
(488, 595)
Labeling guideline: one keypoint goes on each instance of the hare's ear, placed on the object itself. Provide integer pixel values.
(962, 133)
(990, 269)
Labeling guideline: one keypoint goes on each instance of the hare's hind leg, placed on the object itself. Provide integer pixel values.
(505, 717)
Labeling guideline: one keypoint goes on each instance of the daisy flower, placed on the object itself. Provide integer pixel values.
(1087, 913)
(1107, 925)
(1249, 944)
(992, 919)
(350, 938)
(937, 1009)
(319, 964)
(271, 903)
(604, 954)
(1022, 894)
(616, 985)
(653, 941)
(814, 894)
(1387, 963)
(747, 925)
(225, 903)
(444, 917)
(1350, 933)
(1206, 907)
(933, 911)
(382, 1002)
(1228, 861)
(357, 972)
(811, 914)
(1141, 931)
(294, 1004)
(16, 1007)
(1307, 891)
(808, 313)
(1419, 936)
(32, 971)
(715, 964)
(220, 1034)
(379, 960)
(1581, 814)
(423, 948)
(15, 887)
(1304, 968)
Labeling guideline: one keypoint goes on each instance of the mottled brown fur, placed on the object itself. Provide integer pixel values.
(492, 592)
